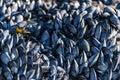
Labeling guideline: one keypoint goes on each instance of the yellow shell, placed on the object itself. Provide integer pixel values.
(20, 30)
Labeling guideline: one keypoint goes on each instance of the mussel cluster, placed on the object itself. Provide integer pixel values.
(59, 40)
